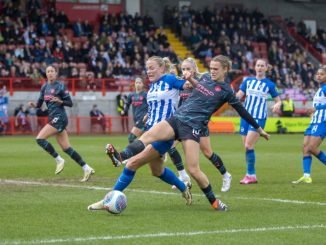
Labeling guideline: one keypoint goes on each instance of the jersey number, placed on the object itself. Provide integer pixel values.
(196, 132)
(54, 120)
(314, 129)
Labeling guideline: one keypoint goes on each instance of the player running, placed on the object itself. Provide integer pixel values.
(56, 96)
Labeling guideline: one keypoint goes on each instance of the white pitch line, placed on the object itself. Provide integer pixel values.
(282, 200)
(166, 234)
(37, 183)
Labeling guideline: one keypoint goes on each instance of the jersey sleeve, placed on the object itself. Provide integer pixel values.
(324, 89)
(128, 102)
(273, 90)
(65, 96)
(243, 86)
(41, 97)
(175, 82)
(145, 97)
(321, 106)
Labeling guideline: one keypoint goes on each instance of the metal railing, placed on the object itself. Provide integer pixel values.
(15, 84)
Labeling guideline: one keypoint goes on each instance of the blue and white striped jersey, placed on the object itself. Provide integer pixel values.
(257, 92)
(162, 98)
(3, 104)
(319, 103)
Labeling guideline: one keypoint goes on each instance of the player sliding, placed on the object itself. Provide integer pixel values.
(209, 94)
(56, 97)
(162, 98)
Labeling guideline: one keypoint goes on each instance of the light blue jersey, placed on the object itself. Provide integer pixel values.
(257, 92)
(162, 98)
(319, 103)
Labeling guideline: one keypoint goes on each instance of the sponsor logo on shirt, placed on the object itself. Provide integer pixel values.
(204, 90)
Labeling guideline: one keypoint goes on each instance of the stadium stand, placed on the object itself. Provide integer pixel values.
(114, 47)
(104, 55)
(244, 36)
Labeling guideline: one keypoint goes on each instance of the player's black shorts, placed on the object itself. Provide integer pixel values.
(204, 132)
(59, 122)
(183, 131)
(140, 124)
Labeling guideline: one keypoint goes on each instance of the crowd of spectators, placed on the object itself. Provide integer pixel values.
(317, 40)
(235, 32)
(118, 45)
(115, 46)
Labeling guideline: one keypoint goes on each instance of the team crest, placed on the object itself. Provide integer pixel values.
(217, 88)
(52, 91)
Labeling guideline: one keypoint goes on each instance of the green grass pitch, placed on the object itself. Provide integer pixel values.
(38, 207)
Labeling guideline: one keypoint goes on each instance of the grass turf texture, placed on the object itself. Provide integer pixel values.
(52, 209)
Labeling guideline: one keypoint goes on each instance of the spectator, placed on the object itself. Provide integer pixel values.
(121, 101)
(21, 119)
(97, 118)
(287, 107)
(36, 77)
(78, 29)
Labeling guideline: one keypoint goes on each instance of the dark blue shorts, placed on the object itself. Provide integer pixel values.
(183, 131)
(140, 124)
(59, 122)
(204, 132)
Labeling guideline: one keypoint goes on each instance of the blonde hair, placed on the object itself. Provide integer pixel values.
(224, 60)
(194, 65)
(165, 62)
(174, 67)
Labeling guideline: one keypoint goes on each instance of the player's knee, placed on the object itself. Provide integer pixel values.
(207, 153)
(305, 149)
(41, 142)
(194, 170)
(311, 149)
(249, 146)
(132, 164)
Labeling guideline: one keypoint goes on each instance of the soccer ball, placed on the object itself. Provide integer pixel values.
(115, 202)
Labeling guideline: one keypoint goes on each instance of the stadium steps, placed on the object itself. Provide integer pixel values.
(181, 50)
